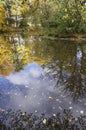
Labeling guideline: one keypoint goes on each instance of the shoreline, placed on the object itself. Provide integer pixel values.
(70, 37)
(66, 37)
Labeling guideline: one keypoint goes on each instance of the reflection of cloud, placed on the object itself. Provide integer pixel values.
(30, 72)
(32, 90)
(31, 87)
(79, 53)
(34, 70)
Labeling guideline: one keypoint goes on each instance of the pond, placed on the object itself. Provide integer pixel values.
(39, 75)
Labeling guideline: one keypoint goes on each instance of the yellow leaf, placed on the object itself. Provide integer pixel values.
(23, 113)
(50, 97)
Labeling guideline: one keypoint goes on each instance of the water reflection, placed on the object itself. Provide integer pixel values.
(32, 90)
(27, 89)
(72, 76)
(6, 62)
(47, 76)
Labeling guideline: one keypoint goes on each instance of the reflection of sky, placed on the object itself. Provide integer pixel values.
(31, 72)
(79, 53)
(31, 90)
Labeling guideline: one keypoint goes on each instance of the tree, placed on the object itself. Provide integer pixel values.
(65, 15)
(2, 14)
(62, 15)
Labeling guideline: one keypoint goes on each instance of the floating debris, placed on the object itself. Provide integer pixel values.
(50, 97)
(23, 113)
(54, 115)
(70, 120)
(57, 100)
(70, 108)
(44, 121)
(82, 112)
(76, 119)
(60, 108)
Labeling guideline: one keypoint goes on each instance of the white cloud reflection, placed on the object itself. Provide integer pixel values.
(33, 91)
(30, 72)
(32, 79)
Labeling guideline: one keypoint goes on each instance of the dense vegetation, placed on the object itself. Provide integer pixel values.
(56, 16)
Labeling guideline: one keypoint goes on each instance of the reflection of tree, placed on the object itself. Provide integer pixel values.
(74, 78)
(13, 52)
(47, 52)
(83, 60)
(20, 56)
(76, 82)
(66, 61)
(62, 58)
(6, 62)
(76, 85)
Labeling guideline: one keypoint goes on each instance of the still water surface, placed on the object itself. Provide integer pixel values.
(42, 76)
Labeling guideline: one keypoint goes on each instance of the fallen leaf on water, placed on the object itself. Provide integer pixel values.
(50, 97)
(70, 108)
(57, 100)
(54, 115)
(81, 112)
(60, 108)
(76, 119)
(70, 120)
(53, 124)
(23, 113)
(44, 121)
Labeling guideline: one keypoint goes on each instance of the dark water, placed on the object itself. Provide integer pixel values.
(42, 76)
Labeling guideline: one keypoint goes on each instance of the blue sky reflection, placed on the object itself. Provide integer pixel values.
(32, 91)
